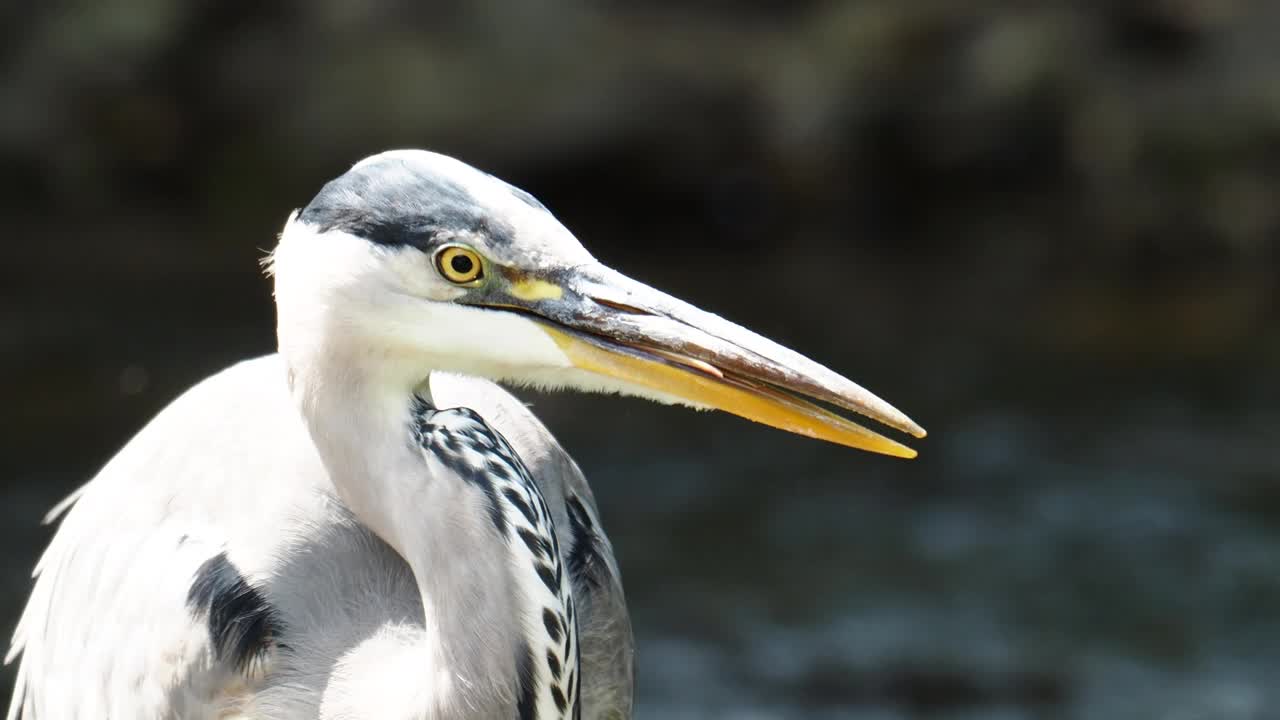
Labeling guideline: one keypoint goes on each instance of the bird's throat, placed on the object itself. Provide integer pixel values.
(451, 497)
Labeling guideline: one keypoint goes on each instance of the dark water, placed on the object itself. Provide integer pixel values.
(1089, 533)
(1114, 564)
(1048, 231)
(1080, 585)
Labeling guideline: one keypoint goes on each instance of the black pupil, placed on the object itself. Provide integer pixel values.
(461, 264)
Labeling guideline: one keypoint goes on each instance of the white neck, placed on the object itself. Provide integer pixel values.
(362, 429)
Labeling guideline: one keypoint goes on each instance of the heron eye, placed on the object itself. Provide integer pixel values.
(459, 265)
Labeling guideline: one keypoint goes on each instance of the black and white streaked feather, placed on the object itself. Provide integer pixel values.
(547, 663)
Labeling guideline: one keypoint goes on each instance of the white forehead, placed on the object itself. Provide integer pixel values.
(431, 162)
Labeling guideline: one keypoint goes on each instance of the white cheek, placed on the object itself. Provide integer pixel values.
(473, 341)
(415, 274)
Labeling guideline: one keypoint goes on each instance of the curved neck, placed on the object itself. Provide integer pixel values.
(363, 429)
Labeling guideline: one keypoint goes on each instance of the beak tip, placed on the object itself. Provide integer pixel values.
(884, 446)
(899, 421)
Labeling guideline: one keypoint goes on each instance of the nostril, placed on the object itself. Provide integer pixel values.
(623, 307)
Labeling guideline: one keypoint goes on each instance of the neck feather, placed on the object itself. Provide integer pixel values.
(451, 497)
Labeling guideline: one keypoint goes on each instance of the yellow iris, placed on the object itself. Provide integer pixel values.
(459, 265)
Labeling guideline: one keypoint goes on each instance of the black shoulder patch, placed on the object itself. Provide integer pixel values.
(242, 626)
(586, 560)
(396, 202)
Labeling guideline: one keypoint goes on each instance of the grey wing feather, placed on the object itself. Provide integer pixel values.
(109, 631)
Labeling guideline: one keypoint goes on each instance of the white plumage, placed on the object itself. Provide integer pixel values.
(108, 616)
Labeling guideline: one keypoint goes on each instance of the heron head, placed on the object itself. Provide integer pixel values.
(413, 261)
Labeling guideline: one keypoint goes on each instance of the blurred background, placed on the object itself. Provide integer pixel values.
(1048, 231)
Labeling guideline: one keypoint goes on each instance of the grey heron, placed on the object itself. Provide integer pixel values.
(365, 525)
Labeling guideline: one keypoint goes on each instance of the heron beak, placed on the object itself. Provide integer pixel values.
(610, 325)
